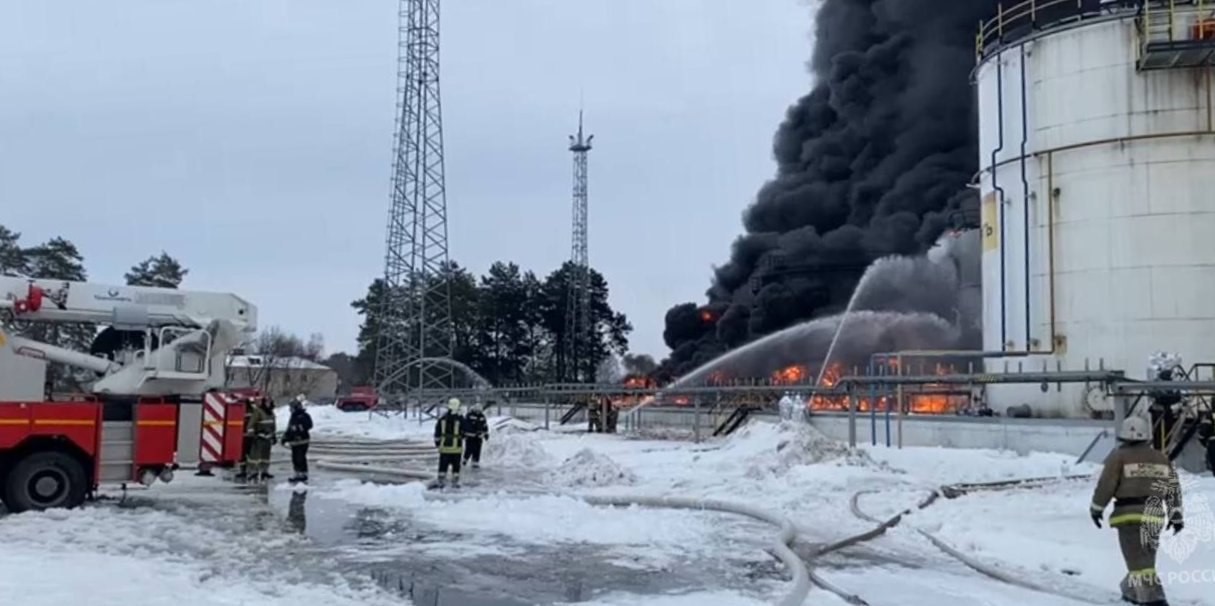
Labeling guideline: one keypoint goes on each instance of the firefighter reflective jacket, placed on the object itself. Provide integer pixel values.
(475, 425)
(449, 433)
(265, 424)
(1142, 483)
(299, 428)
(254, 415)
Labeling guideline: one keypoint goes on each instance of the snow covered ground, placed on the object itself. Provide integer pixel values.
(196, 543)
(1041, 534)
(199, 548)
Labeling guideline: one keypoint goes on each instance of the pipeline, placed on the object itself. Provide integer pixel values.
(996, 187)
(1025, 197)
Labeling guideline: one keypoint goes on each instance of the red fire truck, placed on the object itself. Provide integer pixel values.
(359, 399)
(155, 363)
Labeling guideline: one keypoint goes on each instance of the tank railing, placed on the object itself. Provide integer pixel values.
(1167, 18)
(1018, 15)
(1174, 20)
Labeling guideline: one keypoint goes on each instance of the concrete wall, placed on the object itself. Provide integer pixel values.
(1070, 436)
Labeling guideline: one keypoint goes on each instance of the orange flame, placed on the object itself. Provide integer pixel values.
(638, 382)
(789, 376)
(913, 403)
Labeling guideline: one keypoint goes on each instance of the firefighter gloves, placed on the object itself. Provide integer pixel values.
(1176, 522)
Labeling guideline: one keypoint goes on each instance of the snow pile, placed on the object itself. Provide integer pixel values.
(772, 449)
(804, 445)
(540, 520)
(588, 468)
(513, 449)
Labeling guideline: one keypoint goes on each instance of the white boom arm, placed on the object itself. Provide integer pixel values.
(195, 332)
(125, 307)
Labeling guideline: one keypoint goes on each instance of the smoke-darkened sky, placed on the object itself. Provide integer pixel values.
(252, 138)
(869, 164)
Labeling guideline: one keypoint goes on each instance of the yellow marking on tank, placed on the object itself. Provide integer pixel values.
(14, 421)
(156, 423)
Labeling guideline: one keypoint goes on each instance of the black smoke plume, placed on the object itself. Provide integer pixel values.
(873, 161)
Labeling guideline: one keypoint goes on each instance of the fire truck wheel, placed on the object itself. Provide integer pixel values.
(45, 480)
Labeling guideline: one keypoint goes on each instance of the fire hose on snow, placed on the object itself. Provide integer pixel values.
(384, 459)
(780, 548)
(970, 562)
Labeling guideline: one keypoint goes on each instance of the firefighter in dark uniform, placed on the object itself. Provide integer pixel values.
(476, 432)
(449, 439)
(1144, 487)
(612, 413)
(593, 418)
(1162, 409)
(297, 436)
(1206, 437)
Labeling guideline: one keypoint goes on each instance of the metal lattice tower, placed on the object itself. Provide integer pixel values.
(578, 327)
(416, 307)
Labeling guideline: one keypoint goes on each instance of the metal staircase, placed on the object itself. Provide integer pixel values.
(1176, 34)
(734, 421)
(572, 412)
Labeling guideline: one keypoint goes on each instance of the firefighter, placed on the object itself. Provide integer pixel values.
(246, 440)
(272, 430)
(612, 414)
(593, 419)
(296, 438)
(476, 432)
(263, 427)
(1206, 437)
(1144, 487)
(1163, 409)
(449, 439)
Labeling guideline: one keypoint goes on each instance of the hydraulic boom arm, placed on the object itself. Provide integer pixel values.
(124, 307)
(182, 339)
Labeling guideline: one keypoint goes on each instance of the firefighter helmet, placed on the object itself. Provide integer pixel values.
(1134, 429)
(453, 404)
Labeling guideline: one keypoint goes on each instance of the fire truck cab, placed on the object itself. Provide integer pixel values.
(153, 351)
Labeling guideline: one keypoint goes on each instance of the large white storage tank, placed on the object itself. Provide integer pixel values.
(1098, 191)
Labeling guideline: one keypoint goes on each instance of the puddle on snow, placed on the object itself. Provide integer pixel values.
(434, 567)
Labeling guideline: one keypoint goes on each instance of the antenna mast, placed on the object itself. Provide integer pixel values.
(579, 333)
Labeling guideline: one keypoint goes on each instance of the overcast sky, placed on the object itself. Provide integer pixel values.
(253, 139)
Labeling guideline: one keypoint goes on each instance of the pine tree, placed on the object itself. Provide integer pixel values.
(12, 257)
(161, 271)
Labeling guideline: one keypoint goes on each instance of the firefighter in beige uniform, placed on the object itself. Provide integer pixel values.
(1144, 487)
